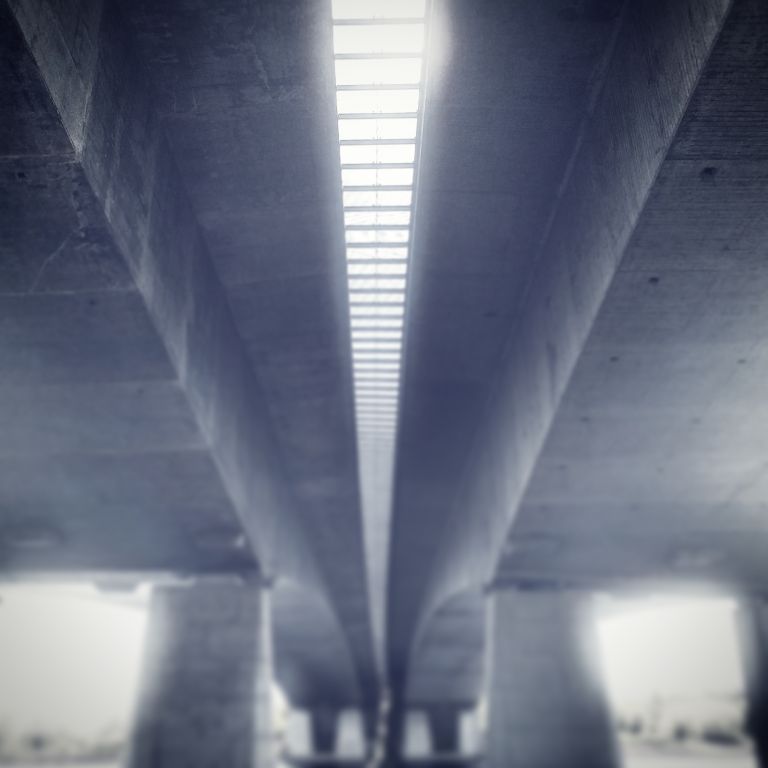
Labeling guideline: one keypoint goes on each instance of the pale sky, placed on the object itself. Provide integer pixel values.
(69, 658)
(670, 647)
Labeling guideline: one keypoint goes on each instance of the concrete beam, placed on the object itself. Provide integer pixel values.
(639, 98)
(85, 54)
(658, 53)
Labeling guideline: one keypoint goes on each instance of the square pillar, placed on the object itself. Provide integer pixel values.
(753, 634)
(206, 686)
(444, 728)
(324, 725)
(547, 705)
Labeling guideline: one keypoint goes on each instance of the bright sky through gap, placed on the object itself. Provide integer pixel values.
(670, 647)
(378, 47)
(376, 9)
(69, 659)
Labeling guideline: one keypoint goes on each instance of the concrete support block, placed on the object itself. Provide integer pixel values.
(547, 707)
(324, 722)
(444, 728)
(206, 689)
(753, 626)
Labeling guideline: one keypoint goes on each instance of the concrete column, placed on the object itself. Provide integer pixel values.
(324, 722)
(753, 627)
(547, 707)
(444, 728)
(206, 688)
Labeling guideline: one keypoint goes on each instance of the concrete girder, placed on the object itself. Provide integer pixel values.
(485, 426)
(87, 60)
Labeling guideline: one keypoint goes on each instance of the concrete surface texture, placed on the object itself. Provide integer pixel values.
(582, 394)
(547, 703)
(207, 679)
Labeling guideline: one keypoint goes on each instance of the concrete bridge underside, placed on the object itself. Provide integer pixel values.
(583, 382)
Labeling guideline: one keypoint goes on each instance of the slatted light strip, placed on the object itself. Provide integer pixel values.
(378, 49)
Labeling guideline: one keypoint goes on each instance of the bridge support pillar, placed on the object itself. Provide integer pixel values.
(754, 646)
(324, 724)
(206, 687)
(547, 707)
(444, 728)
